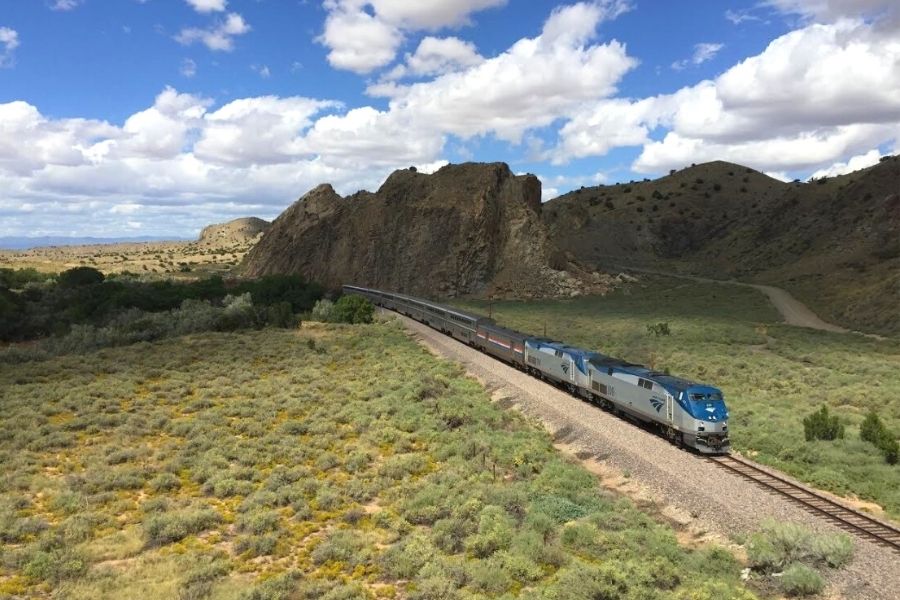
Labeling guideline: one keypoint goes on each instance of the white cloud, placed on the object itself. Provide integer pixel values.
(535, 82)
(436, 56)
(261, 70)
(432, 15)
(219, 37)
(64, 5)
(364, 35)
(812, 97)
(739, 16)
(359, 42)
(255, 131)
(208, 6)
(855, 163)
(188, 68)
(832, 10)
(702, 53)
(9, 38)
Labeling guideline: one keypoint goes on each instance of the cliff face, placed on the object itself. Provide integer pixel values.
(466, 229)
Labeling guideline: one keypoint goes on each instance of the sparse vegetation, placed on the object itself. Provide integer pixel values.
(773, 375)
(793, 553)
(258, 465)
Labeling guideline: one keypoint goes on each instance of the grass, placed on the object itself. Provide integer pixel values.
(773, 375)
(261, 465)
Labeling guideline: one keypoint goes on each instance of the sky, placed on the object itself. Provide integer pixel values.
(158, 117)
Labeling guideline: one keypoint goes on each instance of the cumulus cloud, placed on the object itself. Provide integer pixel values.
(860, 161)
(219, 37)
(535, 82)
(208, 6)
(436, 56)
(702, 53)
(832, 10)
(813, 96)
(364, 35)
(9, 39)
(358, 41)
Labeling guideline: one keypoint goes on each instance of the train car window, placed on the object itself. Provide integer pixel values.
(559, 353)
(645, 384)
(609, 371)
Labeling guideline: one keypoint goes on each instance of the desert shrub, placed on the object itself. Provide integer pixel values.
(55, 565)
(342, 546)
(197, 583)
(874, 431)
(280, 587)
(274, 290)
(495, 530)
(488, 577)
(659, 329)
(323, 311)
(256, 545)
(820, 425)
(165, 528)
(258, 522)
(800, 580)
(777, 546)
(353, 309)
(80, 276)
(281, 315)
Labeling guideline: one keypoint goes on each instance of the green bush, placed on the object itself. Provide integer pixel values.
(165, 528)
(822, 426)
(874, 431)
(659, 329)
(353, 309)
(800, 580)
(80, 276)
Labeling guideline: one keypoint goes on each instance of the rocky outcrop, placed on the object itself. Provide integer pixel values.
(243, 231)
(470, 229)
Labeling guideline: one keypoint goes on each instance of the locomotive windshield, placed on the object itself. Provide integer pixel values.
(708, 404)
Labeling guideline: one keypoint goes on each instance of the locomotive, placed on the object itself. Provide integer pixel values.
(688, 413)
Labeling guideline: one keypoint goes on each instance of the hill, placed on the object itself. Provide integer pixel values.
(834, 242)
(466, 229)
(243, 231)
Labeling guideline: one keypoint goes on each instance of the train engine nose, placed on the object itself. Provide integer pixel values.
(711, 419)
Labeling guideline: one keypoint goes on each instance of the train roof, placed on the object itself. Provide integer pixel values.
(490, 324)
(669, 381)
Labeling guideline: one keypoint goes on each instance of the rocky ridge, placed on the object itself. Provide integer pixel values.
(469, 229)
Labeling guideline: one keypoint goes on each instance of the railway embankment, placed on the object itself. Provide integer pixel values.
(698, 497)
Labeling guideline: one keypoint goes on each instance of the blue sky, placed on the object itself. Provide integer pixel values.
(157, 117)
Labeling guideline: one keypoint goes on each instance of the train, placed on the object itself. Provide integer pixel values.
(688, 413)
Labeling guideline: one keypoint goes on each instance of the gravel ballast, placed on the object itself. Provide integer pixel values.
(705, 496)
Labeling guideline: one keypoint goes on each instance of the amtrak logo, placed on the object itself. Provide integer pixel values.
(565, 368)
(657, 403)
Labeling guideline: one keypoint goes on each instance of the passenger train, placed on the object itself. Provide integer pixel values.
(686, 412)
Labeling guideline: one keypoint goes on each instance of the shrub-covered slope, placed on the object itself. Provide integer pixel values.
(337, 462)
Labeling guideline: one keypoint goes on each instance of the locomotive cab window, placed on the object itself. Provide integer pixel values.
(645, 384)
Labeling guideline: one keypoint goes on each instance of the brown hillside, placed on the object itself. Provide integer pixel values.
(247, 230)
(834, 242)
(466, 229)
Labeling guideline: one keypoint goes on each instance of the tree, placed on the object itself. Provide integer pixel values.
(80, 276)
(353, 309)
(874, 431)
(822, 426)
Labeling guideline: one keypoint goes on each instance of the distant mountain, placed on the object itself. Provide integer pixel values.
(243, 231)
(26, 243)
(835, 242)
(466, 229)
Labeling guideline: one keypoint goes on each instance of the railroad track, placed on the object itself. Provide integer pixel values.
(848, 519)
